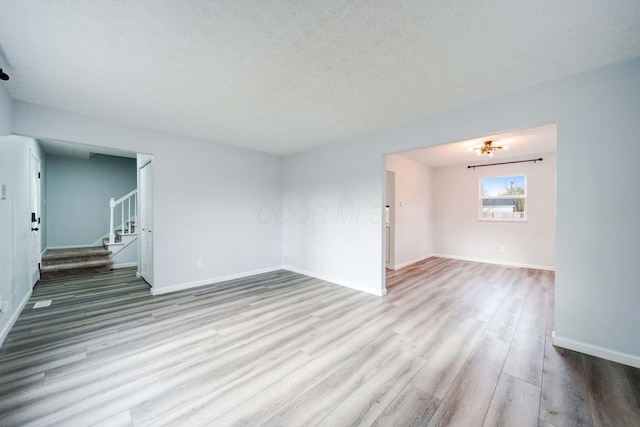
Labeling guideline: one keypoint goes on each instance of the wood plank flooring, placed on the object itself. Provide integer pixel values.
(453, 343)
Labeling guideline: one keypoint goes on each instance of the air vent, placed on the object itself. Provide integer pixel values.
(41, 304)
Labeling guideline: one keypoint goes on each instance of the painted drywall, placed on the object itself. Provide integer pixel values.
(78, 193)
(460, 234)
(127, 257)
(15, 227)
(6, 112)
(207, 200)
(413, 239)
(597, 266)
(332, 215)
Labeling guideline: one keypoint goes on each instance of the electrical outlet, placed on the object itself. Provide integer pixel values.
(199, 263)
(501, 248)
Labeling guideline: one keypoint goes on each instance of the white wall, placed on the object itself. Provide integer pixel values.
(207, 196)
(327, 227)
(460, 234)
(6, 217)
(6, 112)
(597, 266)
(15, 227)
(78, 193)
(413, 210)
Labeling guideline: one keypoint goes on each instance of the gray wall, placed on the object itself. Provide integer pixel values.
(598, 232)
(6, 112)
(78, 193)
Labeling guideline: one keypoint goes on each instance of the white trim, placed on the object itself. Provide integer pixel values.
(498, 262)
(199, 283)
(594, 350)
(72, 247)
(340, 282)
(14, 317)
(124, 265)
(408, 263)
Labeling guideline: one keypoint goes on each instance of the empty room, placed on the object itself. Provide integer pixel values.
(319, 213)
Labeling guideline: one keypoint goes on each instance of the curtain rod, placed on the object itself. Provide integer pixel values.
(505, 163)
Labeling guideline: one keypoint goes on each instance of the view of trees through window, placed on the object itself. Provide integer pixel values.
(503, 198)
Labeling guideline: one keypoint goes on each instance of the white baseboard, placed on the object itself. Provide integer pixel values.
(124, 265)
(340, 282)
(497, 262)
(408, 263)
(14, 317)
(190, 285)
(594, 350)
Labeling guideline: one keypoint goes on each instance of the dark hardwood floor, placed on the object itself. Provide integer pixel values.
(453, 343)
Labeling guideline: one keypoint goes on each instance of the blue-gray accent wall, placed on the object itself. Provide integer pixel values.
(77, 196)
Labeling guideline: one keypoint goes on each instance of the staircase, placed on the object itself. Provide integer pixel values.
(123, 237)
(67, 262)
(57, 263)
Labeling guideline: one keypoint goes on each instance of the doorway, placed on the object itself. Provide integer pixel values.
(146, 222)
(440, 208)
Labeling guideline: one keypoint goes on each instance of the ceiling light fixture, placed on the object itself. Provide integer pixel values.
(3, 75)
(487, 148)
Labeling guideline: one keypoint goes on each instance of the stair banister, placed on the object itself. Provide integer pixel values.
(127, 198)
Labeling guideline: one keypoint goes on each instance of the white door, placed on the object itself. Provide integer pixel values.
(146, 223)
(389, 226)
(34, 212)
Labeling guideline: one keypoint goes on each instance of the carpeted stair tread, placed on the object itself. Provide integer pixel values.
(65, 256)
(71, 265)
(74, 252)
(59, 263)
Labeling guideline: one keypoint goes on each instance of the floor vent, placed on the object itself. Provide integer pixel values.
(41, 304)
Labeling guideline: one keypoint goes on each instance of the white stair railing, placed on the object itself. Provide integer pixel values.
(127, 203)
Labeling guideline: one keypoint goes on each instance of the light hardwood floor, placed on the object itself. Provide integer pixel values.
(453, 343)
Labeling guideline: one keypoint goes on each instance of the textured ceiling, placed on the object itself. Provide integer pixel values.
(283, 76)
(525, 142)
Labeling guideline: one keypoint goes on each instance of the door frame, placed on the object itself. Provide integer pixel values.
(35, 207)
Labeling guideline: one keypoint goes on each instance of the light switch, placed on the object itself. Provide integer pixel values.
(4, 192)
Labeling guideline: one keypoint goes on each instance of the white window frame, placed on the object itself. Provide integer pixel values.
(481, 197)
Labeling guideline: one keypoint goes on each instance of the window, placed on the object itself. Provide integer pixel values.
(503, 198)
